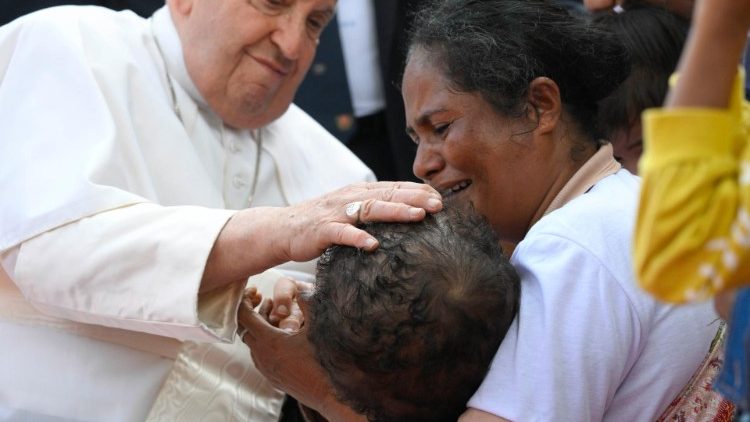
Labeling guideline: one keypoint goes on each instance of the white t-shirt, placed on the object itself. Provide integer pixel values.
(588, 344)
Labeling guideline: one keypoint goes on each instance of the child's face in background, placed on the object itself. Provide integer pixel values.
(627, 143)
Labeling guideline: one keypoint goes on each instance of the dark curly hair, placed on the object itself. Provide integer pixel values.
(407, 333)
(497, 47)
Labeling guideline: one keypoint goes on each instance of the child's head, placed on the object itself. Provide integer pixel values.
(653, 37)
(408, 332)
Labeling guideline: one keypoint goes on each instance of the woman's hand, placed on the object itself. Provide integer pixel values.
(256, 239)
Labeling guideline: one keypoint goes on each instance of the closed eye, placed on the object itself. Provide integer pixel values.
(441, 129)
(269, 7)
(316, 23)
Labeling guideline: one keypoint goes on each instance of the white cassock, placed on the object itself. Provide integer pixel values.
(115, 179)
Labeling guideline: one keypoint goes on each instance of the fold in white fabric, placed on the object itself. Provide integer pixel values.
(110, 203)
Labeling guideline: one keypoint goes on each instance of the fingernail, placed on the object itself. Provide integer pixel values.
(282, 310)
(370, 243)
(434, 203)
(415, 212)
(290, 330)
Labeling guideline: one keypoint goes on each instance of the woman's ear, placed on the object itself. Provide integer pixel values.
(545, 103)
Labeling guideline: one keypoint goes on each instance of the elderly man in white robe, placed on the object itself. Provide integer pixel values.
(148, 167)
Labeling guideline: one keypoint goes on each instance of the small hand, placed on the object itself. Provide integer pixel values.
(286, 359)
(253, 295)
(284, 310)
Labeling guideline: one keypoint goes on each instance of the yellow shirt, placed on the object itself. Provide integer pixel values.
(693, 230)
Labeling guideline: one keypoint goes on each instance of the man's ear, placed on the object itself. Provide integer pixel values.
(180, 8)
(545, 103)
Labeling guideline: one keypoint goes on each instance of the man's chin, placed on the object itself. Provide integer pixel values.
(251, 115)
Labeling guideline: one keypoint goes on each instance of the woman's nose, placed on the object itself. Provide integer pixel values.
(428, 161)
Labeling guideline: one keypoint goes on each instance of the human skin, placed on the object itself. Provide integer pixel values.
(627, 145)
(256, 239)
(510, 169)
(468, 152)
(247, 57)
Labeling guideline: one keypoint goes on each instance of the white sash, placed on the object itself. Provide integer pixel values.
(219, 382)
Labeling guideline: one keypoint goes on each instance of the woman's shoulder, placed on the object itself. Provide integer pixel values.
(604, 215)
(590, 234)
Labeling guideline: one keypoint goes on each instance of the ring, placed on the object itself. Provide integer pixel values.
(242, 333)
(352, 209)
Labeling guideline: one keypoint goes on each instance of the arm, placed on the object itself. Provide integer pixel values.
(137, 268)
(82, 169)
(302, 232)
(141, 267)
(691, 225)
(709, 63)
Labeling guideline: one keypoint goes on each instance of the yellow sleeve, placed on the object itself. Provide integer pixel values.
(693, 231)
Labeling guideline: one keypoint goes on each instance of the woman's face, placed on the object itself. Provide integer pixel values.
(471, 153)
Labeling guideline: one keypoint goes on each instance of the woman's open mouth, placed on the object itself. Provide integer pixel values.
(455, 189)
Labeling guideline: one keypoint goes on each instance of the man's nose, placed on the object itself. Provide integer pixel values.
(291, 36)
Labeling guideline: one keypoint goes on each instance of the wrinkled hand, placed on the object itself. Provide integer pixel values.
(315, 225)
(256, 239)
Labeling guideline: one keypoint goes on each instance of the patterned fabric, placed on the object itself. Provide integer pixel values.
(698, 402)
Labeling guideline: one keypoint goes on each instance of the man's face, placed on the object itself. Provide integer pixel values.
(247, 57)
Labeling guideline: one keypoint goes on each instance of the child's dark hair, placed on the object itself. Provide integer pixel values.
(497, 47)
(654, 38)
(407, 333)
